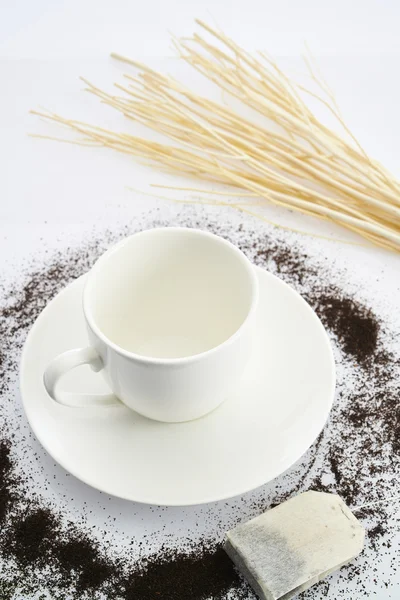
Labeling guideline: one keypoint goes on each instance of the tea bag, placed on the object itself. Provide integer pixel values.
(289, 548)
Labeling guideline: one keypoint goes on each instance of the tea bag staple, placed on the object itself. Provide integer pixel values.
(289, 548)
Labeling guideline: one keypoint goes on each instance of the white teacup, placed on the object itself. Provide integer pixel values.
(169, 314)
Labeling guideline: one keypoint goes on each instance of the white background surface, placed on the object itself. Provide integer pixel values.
(54, 194)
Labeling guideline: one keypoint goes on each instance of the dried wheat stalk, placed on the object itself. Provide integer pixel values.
(297, 163)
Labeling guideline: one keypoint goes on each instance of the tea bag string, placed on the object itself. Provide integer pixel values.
(394, 498)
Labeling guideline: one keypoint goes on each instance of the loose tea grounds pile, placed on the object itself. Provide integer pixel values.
(354, 325)
(357, 455)
(204, 573)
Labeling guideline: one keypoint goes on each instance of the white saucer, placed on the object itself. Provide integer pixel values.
(255, 435)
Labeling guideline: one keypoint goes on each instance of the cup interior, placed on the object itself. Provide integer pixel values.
(170, 293)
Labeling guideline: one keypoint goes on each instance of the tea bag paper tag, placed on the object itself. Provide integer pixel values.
(289, 548)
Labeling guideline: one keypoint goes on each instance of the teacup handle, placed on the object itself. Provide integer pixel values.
(64, 363)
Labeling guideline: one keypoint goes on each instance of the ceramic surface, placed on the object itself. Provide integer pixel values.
(169, 314)
(267, 423)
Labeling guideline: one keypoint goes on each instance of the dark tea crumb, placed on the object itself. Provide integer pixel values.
(203, 574)
(7, 481)
(80, 560)
(354, 325)
(375, 533)
(31, 537)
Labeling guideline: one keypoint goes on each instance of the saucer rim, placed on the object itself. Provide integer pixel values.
(318, 427)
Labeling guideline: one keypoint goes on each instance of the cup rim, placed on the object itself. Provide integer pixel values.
(168, 361)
